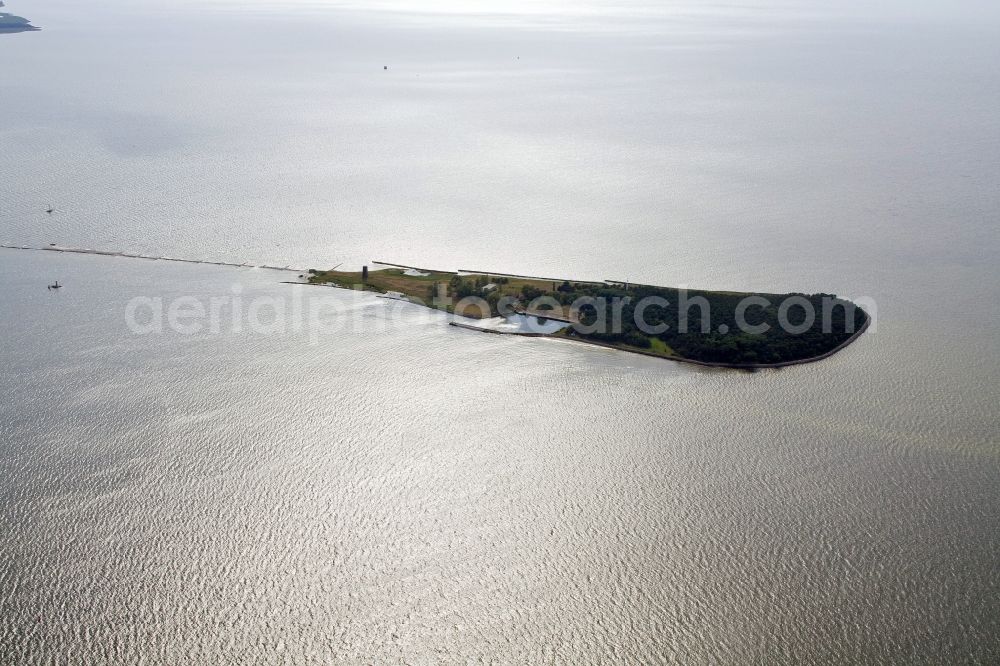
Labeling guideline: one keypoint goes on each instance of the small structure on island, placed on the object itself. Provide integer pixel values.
(490, 287)
(364, 274)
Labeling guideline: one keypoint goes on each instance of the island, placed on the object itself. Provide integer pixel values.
(10, 23)
(712, 328)
(724, 329)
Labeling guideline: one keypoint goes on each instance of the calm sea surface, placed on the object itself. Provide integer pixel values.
(394, 490)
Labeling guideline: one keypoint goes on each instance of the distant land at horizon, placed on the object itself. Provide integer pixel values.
(10, 23)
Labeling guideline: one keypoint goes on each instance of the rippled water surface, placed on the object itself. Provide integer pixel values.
(383, 488)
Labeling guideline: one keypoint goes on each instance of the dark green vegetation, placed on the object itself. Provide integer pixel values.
(726, 328)
(717, 327)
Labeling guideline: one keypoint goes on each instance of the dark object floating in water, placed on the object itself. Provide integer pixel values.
(50, 210)
(11, 23)
(55, 286)
(385, 66)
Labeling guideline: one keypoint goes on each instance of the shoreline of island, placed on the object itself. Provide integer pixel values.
(678, 359)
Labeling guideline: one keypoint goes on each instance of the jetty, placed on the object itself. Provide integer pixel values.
(130, 255)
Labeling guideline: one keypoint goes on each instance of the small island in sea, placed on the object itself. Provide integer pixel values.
(713, 328)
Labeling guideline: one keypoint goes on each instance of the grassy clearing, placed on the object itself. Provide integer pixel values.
(660, 347)
(421, 289)
(424, 288)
